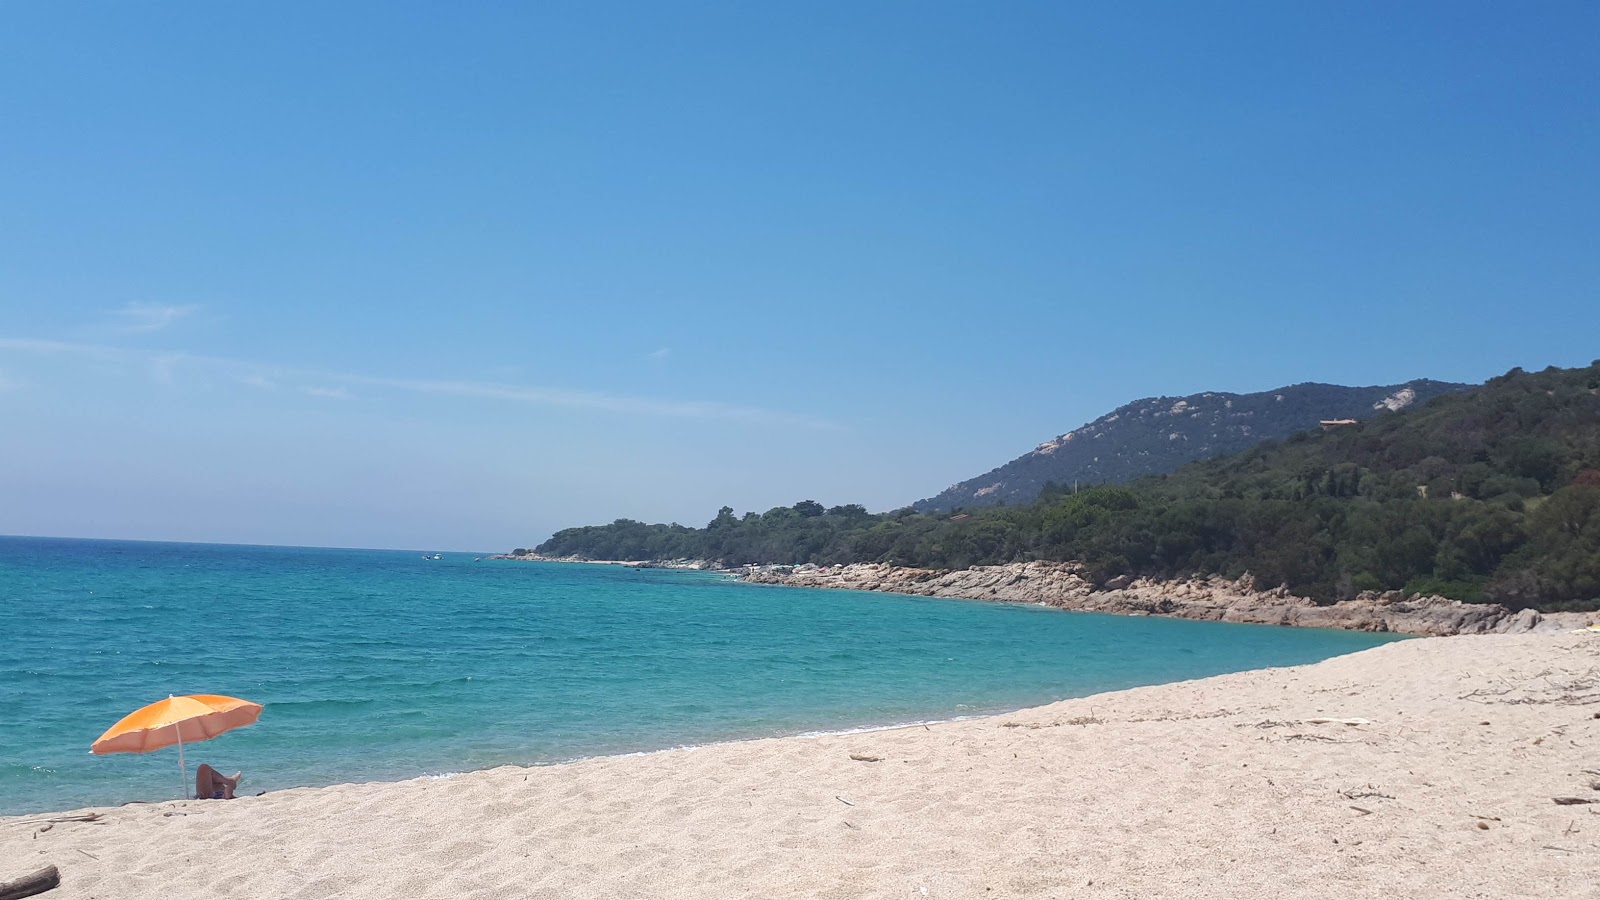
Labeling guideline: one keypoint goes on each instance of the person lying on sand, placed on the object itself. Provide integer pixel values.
(209, 784)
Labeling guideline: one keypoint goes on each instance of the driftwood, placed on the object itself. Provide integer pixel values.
(862, 757)
(43, 880)
(1572, 801)
(91, 817)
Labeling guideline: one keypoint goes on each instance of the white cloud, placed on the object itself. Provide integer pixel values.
(658, 355)
(617, 403)
(62, 348)
(142, 318)
(164, 366)
(336, 384)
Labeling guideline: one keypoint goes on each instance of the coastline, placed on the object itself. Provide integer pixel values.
(1203, 598)
(1212, 598)
(689, 564)
(1423, 767)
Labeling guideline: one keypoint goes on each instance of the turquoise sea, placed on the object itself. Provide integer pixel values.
(381, 665)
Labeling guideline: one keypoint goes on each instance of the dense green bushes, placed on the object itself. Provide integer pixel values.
(1492, 494)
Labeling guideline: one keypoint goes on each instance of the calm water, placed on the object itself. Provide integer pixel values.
(379, 665)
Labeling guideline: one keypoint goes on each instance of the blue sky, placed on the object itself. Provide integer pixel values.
(456, 275)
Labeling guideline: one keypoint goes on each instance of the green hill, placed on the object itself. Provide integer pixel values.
(1489, 494)
(1157, 435)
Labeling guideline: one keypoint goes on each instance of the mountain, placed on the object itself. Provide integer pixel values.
(1156, 435)
(1492, 493)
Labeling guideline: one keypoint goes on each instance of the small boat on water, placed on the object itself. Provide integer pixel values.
(435, 556)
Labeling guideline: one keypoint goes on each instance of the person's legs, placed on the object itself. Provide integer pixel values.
(205, 782)
(208, 782)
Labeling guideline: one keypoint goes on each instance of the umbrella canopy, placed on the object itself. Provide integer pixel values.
(176, 720)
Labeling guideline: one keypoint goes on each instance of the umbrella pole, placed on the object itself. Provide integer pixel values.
(182, 767)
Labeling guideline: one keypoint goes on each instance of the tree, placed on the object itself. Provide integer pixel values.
(724, 519)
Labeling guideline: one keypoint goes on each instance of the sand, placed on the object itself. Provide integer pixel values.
(1222, 787)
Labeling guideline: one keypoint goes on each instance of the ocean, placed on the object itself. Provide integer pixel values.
(378, 665)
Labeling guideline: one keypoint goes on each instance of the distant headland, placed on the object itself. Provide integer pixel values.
(1481, 507)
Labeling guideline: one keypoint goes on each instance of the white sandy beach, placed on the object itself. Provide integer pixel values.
(1214, 788)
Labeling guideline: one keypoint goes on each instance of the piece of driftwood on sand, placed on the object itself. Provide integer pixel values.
(43, 880)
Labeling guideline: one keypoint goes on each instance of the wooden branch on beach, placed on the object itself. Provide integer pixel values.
(1572, 801)
(47, 878)
(862, 757)
(90, 817)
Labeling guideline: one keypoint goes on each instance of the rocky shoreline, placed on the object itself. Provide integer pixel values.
(1213, 598)
(1210, 598)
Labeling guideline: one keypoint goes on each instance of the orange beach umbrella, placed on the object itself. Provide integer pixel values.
(197, 717)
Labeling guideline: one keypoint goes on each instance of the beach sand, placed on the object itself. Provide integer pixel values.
(1214, 788)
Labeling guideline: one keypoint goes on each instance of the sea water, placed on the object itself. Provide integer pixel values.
(383, 665)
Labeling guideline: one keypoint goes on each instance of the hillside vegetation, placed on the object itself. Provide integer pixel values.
(1157, 435)
(1490, 494)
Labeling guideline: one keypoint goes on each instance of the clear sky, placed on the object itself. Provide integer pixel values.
(454, 275)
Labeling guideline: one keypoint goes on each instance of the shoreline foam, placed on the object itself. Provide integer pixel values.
(1242, 785)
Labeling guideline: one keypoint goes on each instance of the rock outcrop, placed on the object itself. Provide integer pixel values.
(1213, 598)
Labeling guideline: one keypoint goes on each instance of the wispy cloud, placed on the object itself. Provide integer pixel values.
(63, 348)
(142, 318)
(616, 403)
(658, 355)
(164, 367)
